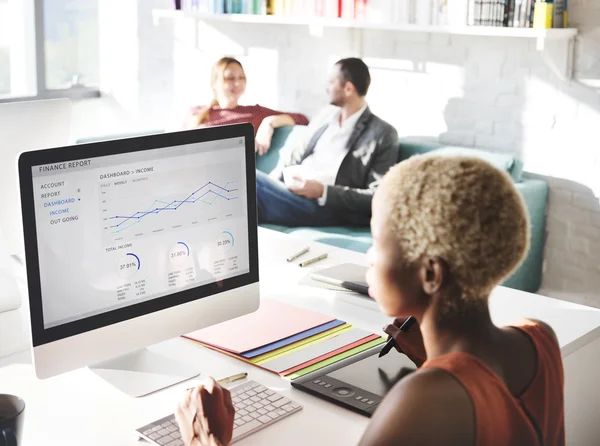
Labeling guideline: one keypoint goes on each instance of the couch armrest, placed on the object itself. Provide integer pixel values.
(267, 162)
(295, 133)
(529, 275)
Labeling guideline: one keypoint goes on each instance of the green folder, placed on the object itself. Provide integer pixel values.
(259, 360)
(334, 359)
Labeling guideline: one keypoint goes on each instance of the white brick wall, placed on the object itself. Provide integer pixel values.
(492, 93)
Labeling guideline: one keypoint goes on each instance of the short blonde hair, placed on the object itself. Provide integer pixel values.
(463, 210)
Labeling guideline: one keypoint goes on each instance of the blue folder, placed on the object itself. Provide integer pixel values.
(291, 339)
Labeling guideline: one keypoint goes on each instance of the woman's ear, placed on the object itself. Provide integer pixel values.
(432, 274)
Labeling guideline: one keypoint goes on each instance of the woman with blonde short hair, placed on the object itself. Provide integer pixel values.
(446, 231)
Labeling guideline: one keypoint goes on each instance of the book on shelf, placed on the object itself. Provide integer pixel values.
(510, 13)
(499, 13)
(543, 15)
(558, 18)
(378, 11)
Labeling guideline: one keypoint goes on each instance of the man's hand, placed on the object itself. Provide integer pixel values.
(410, 343)
(311, 189)
(264, 134)
(205, 416)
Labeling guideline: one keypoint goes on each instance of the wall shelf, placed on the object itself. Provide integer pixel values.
(556, 45)
(489, 31)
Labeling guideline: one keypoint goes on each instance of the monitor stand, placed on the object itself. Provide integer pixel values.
(143, 372)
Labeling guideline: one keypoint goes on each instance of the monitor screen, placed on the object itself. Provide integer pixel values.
(122, 229)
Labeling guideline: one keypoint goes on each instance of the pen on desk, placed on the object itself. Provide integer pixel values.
(313, 260)
(229, 379)
(390, 342)
(295, 256)
(232, 378)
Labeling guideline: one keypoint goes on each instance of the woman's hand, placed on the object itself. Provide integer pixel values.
(408, 342)
(264, 135)
(205, 416)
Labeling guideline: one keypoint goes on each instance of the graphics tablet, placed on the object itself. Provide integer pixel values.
(359, 383)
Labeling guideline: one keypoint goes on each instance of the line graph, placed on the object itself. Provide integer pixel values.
(183, 198)
(176, 204)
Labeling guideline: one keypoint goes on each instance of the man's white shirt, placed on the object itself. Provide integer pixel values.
(330, 150)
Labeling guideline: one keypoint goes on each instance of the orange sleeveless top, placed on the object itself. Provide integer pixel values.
(534, 418)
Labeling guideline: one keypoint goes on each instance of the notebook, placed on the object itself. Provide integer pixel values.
(347, 275)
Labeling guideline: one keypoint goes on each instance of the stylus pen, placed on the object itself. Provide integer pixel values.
(313, 260)
(390, 342)
(298, 254)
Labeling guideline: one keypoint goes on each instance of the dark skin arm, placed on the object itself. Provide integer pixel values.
(205, 416)
(427, 408)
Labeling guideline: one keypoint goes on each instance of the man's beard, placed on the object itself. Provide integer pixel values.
(338, 102)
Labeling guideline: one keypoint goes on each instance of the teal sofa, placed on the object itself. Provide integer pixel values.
(534, 191)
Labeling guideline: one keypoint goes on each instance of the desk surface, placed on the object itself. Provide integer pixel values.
(79, 408)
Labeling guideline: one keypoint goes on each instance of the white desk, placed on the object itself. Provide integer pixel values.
(78, 408)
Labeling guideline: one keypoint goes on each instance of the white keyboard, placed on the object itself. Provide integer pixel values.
(256, 407)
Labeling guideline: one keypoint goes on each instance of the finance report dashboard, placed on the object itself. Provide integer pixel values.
(121, 229)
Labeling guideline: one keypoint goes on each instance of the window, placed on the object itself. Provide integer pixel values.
(17, 48)
(4, 50)
(71, 43)
(48, 49)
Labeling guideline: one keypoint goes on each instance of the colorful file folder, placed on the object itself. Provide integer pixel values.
(292, 339)
(286, 340)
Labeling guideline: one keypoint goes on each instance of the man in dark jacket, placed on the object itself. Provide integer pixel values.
(330, 178)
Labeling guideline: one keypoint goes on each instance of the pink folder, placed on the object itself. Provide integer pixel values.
(272, 322)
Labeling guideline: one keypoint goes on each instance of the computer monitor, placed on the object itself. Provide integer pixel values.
(134, 241)
(25, 126)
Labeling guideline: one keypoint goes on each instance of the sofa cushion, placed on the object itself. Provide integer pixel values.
(506, 162)
(528, 276)
(501, 161)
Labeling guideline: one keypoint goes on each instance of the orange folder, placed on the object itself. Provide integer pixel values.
(328, 355)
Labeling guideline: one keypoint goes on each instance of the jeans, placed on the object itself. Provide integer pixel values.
(276, 204)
